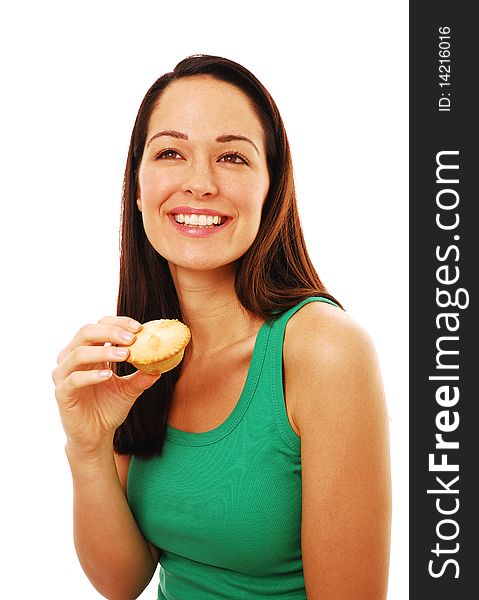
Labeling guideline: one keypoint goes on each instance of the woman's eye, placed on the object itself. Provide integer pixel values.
(234, 158)
(165, 154)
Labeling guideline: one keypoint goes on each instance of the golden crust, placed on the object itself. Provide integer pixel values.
(159, 346)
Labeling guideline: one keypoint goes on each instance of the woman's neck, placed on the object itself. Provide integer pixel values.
(211, 309)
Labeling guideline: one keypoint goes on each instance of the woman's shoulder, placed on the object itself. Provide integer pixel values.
(329, 361)
(319, 329)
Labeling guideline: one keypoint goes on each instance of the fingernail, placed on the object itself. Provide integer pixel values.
(134, 325)
(126, 335)
(106, 373)
(121, 352)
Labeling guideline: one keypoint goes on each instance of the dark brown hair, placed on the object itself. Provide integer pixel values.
(272, 276)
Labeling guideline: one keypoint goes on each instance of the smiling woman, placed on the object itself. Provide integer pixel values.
(259, 466)
(217, 161)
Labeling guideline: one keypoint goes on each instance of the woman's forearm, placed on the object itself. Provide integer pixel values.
(112, 551)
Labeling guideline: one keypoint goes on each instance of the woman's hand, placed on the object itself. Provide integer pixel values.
(92, 400)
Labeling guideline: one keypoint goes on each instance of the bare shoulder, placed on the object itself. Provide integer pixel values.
(332, 379)
(330, 363)
(326, 328)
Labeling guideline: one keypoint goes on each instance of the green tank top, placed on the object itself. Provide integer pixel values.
(224, 506)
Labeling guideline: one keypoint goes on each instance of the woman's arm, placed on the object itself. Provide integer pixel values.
(333, 383)
(111, 549)
(93, 402)
(122, 466)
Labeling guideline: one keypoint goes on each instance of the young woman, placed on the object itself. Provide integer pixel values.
(259, 467)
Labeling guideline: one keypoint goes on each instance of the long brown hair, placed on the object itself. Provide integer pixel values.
(272, 276)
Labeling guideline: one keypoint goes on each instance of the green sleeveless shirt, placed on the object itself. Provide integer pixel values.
(224, 506)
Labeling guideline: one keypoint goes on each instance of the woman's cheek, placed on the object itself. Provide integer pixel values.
(154, 192)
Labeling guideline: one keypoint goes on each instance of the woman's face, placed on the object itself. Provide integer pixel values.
(203, 178)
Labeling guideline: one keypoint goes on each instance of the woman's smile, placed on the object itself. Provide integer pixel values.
(198, 224)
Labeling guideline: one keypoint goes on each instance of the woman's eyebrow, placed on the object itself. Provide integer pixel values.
(182, 136)
(231, 138)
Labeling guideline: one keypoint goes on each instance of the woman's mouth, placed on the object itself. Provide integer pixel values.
(193, 220)
(199, 225)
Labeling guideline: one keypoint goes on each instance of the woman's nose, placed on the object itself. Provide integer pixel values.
(199, 180)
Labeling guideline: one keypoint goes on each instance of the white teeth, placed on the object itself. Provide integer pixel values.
(199, 220)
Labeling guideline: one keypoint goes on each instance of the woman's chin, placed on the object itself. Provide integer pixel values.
(201, 264)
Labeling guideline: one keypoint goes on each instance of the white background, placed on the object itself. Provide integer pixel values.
(73, 76)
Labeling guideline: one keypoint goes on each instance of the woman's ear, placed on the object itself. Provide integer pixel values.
(138, 203)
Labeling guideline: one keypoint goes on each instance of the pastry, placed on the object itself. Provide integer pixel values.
(159, 346)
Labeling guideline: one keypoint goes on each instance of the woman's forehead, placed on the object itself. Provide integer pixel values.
(205, 104)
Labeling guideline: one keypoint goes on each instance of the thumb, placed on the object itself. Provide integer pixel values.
(138, 382)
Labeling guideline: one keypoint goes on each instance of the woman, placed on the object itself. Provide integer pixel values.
(259, 466)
